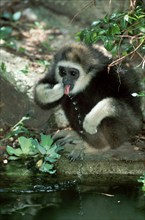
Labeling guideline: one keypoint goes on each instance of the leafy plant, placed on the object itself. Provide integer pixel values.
(11, 16)
(6, 31)
(142, 180)
(123, 34)
(18, 129)
(44, 153)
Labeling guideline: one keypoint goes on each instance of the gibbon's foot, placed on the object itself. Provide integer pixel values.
(82, 151)
(66, 137)
(72, 149)
(77, 153)
(73, 145)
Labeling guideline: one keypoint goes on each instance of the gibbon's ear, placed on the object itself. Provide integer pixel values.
(101, 59)
(92, 69)
(96, 68)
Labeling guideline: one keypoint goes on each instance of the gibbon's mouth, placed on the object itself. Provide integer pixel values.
(67, 89)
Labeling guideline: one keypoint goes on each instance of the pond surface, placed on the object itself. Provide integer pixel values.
(73, 203)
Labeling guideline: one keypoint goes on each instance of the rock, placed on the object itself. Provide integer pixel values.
(17, 93)
(83, 10)
(17, 96)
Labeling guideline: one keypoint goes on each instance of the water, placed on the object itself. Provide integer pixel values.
(74, 203)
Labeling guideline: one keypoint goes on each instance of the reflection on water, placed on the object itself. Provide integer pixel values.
(73, 203)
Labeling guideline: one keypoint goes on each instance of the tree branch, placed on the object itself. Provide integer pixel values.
(115, 62)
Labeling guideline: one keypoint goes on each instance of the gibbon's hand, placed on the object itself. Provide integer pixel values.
(45, 94)
(104, 108)
(89, 124)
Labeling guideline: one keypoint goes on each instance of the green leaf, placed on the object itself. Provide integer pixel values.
(52, 152)
(25, 144)
(46, 140)
(11, 151)
(124, 53)
(25, 70)
(13, 158)
(3, 67)
(108, 44)
(95, 23)
(102, 32)
(34, 147)
(28, 147)
(47, 168)
(143, 188)
(18, 152)
(5, 32)
(22, 49)
(106, 19)
(142, 29)
(115, 15)
(114, 51)
(16, 16)
(50, 159)
(41, 149)
(126, 18)
(115, 29)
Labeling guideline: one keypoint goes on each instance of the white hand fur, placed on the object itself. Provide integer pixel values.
(89, 124)
(104, 108)
(45, 94)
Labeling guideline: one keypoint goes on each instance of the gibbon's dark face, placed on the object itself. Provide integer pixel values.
(69, 76)
(76, 65)
(73, 76)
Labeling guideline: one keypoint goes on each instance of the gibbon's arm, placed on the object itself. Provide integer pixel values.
(104, 108)
(45, 94)
(48, 91)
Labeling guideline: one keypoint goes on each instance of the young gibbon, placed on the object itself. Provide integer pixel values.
(98, 102)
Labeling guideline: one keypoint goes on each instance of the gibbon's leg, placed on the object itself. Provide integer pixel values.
(45, 93)
(104, 108)
(122, 128)
(89, 146)
(76, 147)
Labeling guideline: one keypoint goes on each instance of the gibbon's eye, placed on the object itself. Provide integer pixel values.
(74, 73)
(62, 71)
